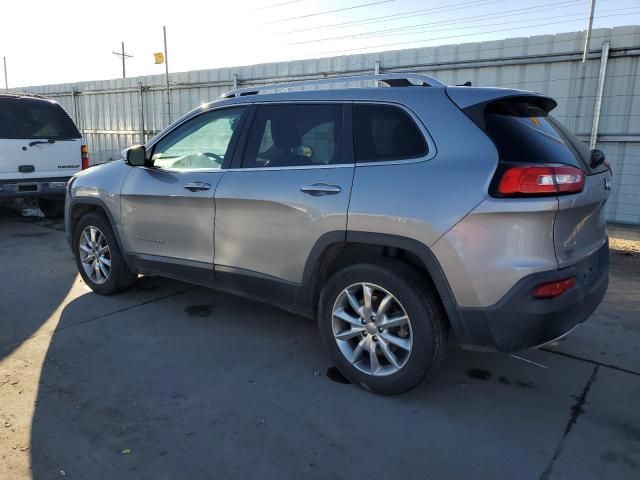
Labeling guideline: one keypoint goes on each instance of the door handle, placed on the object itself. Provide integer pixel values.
(319, 189)
(197, 186)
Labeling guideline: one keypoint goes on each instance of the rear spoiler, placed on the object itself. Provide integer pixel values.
(474, 101)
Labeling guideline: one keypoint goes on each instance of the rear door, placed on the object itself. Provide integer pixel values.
(37, 140)
(290, 186)
(525, 133)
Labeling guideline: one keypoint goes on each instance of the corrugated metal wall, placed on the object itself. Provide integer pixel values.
(110, 112)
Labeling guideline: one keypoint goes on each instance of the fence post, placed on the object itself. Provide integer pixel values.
(141, 97)
(599, 92)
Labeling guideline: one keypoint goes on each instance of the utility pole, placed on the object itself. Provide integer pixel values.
(588, 36)
(6, 83)
(124, 57)
(166, 70)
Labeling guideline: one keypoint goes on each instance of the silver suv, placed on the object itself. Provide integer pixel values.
(393, 215)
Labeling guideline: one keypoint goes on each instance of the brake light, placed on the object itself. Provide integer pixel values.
(553, 289)
(84, 151)
(541, 180)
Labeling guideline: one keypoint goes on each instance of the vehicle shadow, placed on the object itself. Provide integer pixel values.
(194, 383)
(37, 273)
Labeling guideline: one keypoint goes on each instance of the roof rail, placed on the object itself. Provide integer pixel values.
(391, 79)
(21, 94)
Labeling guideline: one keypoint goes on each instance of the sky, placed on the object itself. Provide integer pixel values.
(56, 41)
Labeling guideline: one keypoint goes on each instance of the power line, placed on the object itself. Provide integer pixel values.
(393, 33)
(326, 12)
(506, 13)
(398, 16)
(550, 6)
(275, 5)
(463, 35)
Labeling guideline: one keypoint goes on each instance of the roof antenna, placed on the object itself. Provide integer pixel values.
(465, 84)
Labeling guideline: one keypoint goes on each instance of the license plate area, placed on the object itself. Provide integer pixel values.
(27, 187)
(590, 269)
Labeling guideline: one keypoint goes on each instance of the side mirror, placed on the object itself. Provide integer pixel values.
(597, 157)
(136, 156)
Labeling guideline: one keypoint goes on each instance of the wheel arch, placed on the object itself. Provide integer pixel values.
(81, 206)
(335, 250)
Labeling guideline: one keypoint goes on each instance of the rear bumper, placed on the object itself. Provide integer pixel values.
(519, 321)
(33, 187)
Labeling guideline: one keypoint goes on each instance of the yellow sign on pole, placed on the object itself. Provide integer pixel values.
(159, 57)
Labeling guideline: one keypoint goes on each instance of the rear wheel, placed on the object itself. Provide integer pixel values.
(98, 256)
(383, 326)
(51, 207)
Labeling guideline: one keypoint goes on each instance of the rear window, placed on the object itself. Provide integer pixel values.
(385, 132)
(525, 133)
(27, 118)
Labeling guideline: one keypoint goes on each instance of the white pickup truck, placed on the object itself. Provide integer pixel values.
(40, 150)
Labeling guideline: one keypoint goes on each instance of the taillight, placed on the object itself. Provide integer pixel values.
(84, 151)
(540, 180)
(553, 289)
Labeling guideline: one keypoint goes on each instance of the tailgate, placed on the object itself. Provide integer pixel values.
(24, 159)
(37, 139)
(580, 227)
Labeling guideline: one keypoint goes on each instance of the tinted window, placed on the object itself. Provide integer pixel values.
(201, 143)
(384, 132)
(28, 118)
(294, 135)
(525, 133)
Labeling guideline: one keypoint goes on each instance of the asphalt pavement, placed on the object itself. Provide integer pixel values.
(172, 381)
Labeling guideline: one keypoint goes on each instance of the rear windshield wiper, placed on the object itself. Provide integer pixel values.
(41, 142)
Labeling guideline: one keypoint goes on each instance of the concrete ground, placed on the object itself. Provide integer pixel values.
(172, 381)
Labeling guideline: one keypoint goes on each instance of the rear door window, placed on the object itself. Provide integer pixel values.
(29, 118)
(386, 132)
(525, 133)
(295, 136)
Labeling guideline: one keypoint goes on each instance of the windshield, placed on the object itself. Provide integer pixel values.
(30, 119)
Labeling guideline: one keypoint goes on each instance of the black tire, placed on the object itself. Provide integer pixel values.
(428, 323)
(120, 276)
(51, 207)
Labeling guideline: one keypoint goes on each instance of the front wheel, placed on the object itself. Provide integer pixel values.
(383, 326)
(98, 256)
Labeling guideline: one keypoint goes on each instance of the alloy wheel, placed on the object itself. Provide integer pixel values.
(372, 329)
(95, 254)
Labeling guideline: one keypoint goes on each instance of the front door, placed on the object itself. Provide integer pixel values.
(291, 187)
(168, 208)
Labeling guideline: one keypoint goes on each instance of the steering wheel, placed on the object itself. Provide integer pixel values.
(215, 156)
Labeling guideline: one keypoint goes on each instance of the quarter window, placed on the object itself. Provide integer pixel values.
(294, 135)
(200, 144)
(385, 132)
